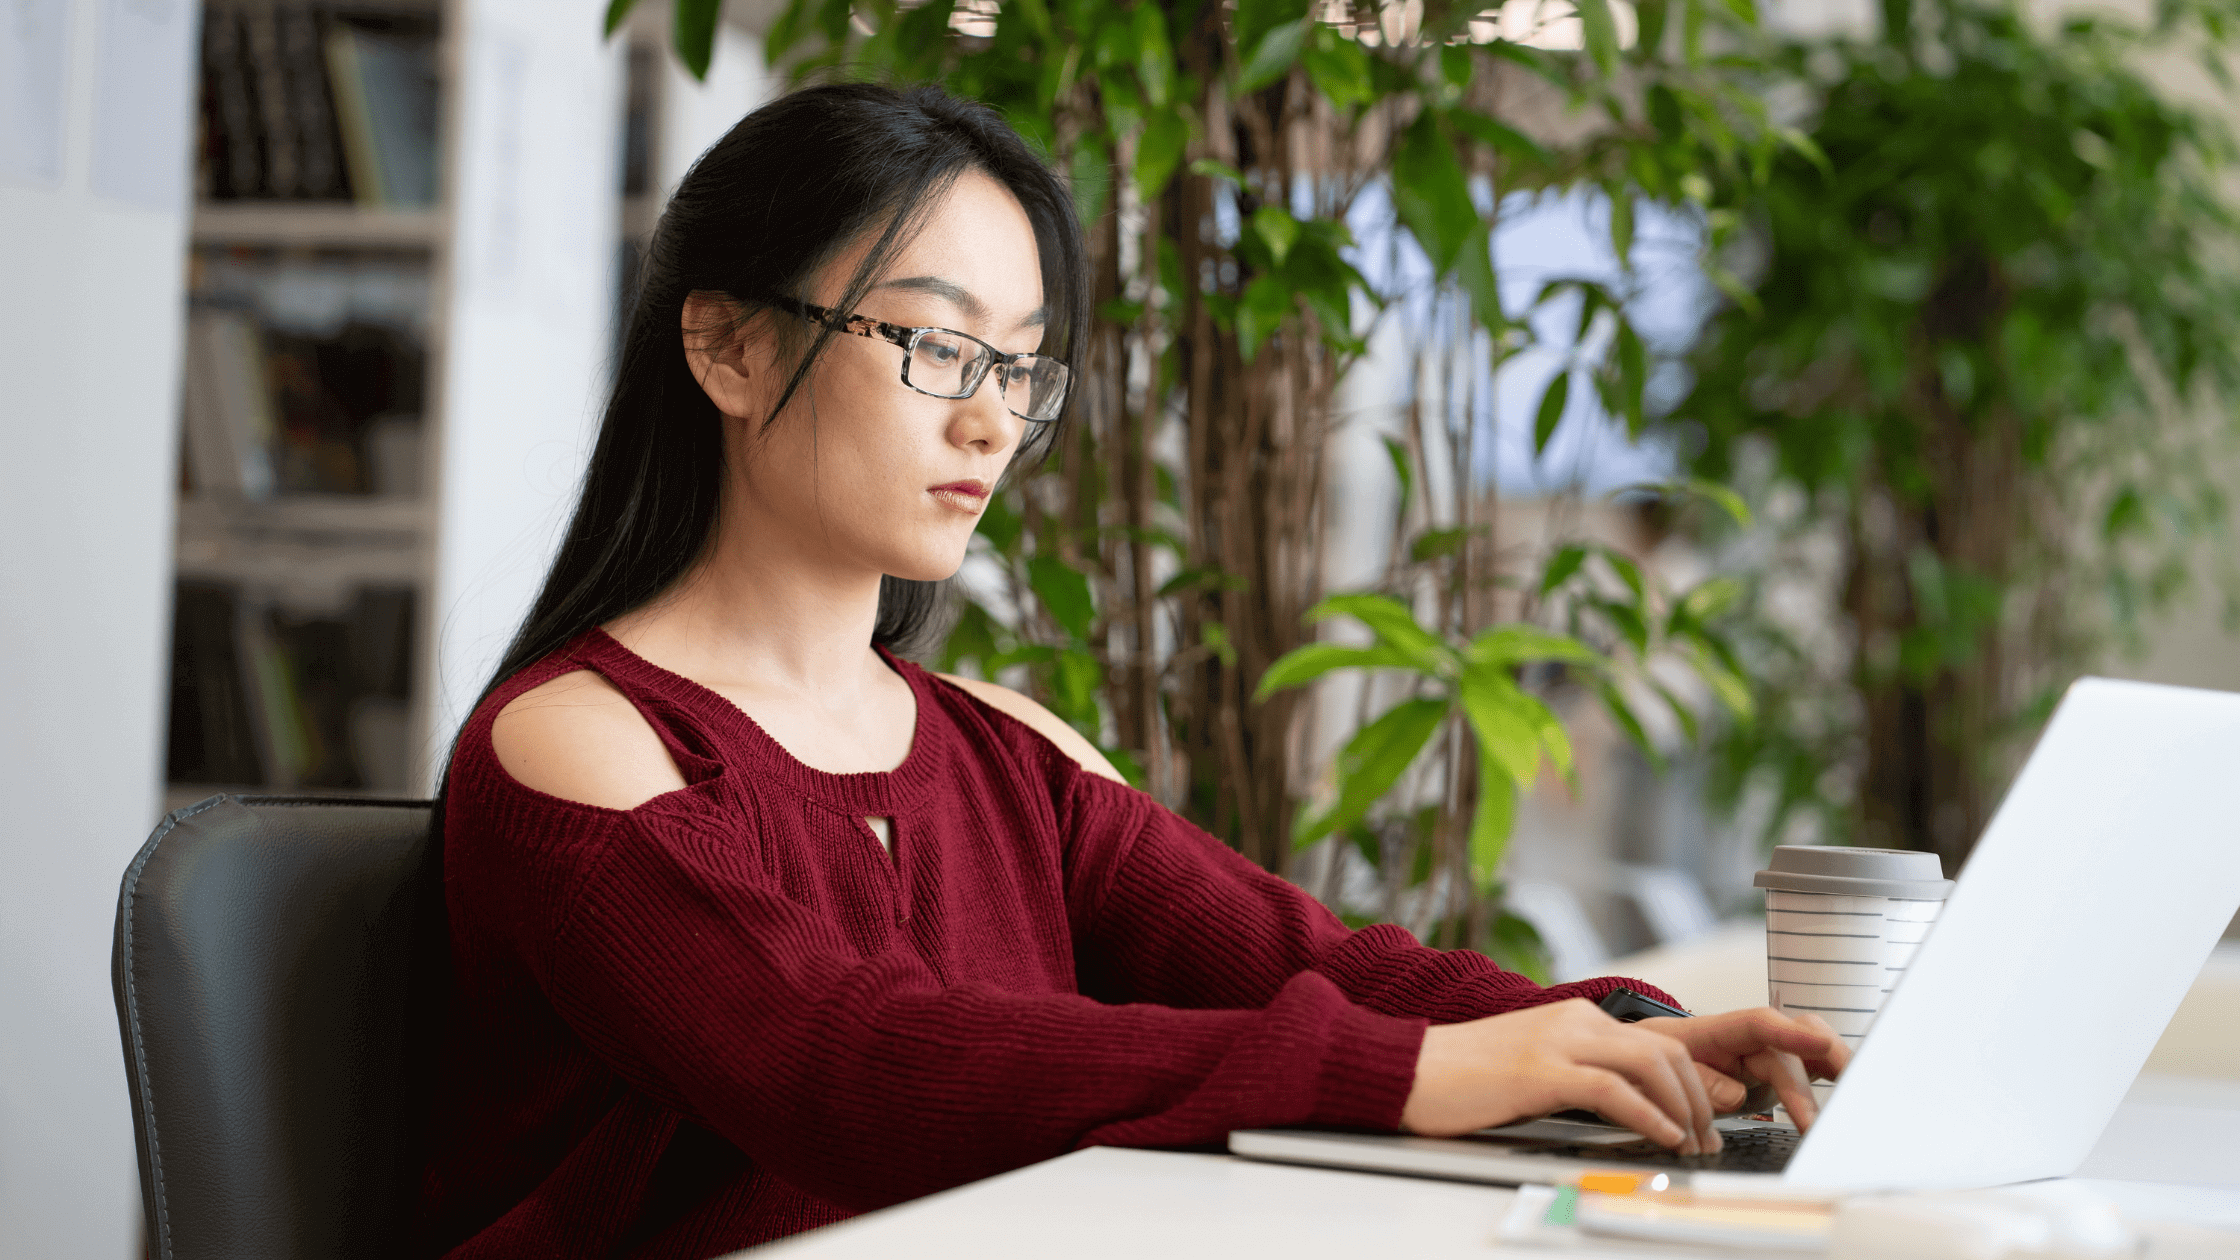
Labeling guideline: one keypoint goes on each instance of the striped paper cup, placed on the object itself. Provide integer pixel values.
(1841, 927)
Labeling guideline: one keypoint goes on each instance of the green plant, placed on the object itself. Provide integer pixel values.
(1439, 773)
(1995, 343)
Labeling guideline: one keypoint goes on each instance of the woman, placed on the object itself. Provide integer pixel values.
(755, 924)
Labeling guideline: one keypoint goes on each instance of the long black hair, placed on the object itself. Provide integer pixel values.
(792, 185)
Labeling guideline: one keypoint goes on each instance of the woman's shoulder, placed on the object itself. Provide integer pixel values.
(561, 733)
(1036, 719)
(575, 736)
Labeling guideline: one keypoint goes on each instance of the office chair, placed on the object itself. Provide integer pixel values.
(279, 970)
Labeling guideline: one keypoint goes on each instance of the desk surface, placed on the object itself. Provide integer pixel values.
(2168, 1155)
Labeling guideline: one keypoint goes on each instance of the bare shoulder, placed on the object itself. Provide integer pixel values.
(1045, 723)
(579, 739)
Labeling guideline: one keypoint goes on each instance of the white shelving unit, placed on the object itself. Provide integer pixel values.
(515, 333)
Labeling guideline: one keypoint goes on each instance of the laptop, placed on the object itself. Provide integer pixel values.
(2085, 911)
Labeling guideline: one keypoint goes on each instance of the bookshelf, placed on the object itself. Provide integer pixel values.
(388, 395)
(305, 542)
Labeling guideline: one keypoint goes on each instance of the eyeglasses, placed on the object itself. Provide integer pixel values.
(949, 364)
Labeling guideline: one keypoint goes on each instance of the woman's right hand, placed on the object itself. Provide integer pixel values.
(1527, 1063)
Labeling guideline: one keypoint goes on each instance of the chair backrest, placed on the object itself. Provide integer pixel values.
(279, 968)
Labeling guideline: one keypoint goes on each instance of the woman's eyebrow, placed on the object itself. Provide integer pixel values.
(960, 297)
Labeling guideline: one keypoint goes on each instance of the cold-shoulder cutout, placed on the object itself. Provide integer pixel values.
(578, 738)
(1043, 721)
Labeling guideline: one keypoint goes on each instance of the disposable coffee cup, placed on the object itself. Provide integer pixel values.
(1842, 925)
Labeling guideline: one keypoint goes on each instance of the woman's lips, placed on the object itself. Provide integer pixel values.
(963, 496)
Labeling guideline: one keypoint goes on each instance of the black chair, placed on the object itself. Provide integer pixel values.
(280, 967)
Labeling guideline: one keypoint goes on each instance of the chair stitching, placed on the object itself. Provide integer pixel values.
(132, 1014)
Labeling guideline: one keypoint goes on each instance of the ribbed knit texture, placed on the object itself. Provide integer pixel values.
(729, 1015)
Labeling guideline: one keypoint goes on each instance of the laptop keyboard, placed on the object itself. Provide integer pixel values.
(1764, 1149)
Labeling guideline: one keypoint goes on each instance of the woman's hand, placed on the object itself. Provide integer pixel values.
(1766, 1046)
(1567, 1054)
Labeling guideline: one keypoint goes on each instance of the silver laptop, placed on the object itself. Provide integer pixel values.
(2083, 916)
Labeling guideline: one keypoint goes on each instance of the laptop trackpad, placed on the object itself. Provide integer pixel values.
(1566, 1132)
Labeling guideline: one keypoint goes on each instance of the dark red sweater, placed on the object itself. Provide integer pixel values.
(728, 1015)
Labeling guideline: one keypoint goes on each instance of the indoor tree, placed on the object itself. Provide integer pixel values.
(1995, 340)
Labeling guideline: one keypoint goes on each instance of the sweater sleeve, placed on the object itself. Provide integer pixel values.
(1176, 917)
(867, 1081)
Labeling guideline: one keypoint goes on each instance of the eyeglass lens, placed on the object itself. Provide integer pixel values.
(946, 364)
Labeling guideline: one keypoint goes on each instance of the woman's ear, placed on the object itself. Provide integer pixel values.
(729, 356)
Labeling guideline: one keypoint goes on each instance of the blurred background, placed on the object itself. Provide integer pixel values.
(1708, 426)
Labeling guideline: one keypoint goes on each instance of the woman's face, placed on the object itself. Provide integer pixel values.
(861, 471)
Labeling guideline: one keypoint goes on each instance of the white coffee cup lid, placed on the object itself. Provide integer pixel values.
(1849, 872)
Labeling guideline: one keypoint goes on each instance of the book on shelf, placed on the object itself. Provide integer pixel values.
(308, 102)
(268, 697)
(385, 96)
(228, 406)
(269, 411)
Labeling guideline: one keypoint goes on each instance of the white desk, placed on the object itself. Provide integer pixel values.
(2171, 1154)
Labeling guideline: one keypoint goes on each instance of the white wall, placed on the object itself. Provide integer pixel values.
(537, 191)
(94, 102)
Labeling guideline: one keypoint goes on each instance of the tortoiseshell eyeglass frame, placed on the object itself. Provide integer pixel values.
(908, 338)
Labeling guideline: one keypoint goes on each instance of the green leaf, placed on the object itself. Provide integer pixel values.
(1205, 577)
(1627, 620)
(694, 32)
(1690, 728)
(1216, 636)
(1372, 761)
(1430, 192)
(616, 11)
(1732, 691)
(1490, 823)
(1274, 56)
(1565, 562)
(1154, 55)
(1516, 644)
(1302, 665)
(1503, 138)
(1621, 223)
(1474, 271)
(1728, 501)
(1707, 600)
(1159, 151)
(1392, 623)
(1397, 452)
(1339, 69)
(1456, 64)
(1602, 35)
(1551, 411)
(1217, 170)
(1434, 543)
(1614, 702)
(1633, 374)
(1064, 592)
(1073, 693)
(1501, 718)
(1277, 229)
(1628, 572)
(1260, 313)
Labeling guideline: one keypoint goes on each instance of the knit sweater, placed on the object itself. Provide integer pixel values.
(731, 1014)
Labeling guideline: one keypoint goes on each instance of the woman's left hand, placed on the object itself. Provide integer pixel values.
(1764, 1045)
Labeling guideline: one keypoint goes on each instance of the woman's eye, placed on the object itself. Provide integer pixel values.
(942, 353)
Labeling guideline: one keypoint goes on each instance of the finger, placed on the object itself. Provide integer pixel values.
(1614, 1098)
(1652, 1064)
(1726, 1093)
(1785, 1072)
(1830, 1065)
(1699, 1098)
